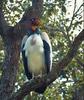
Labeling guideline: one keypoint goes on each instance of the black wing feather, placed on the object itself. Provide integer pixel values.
(25, 63)
(47, 55)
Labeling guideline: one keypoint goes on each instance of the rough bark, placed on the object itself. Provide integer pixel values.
(78, 93)
(10, 68)
(3, 24)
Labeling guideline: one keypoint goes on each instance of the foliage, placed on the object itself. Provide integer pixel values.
(14, 9)
(62, 31)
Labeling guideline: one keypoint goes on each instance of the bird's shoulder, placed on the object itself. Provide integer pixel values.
(45, 37)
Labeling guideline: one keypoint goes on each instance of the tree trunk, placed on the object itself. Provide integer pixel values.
(10, 67)
(79, 93)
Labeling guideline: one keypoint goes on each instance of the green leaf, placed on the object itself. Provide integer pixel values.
(64, 9)
(11, 1)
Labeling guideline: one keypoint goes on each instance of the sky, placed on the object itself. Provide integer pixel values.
(70, 8)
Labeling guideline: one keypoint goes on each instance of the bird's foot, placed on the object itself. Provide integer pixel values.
(37, 77)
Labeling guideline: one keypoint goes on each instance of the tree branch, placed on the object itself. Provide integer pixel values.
(3, 24)
(74, 15)
(54, 74)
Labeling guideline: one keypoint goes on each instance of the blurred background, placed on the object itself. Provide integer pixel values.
(62, 20)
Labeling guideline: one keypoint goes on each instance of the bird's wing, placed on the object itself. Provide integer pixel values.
(24, 58)
(47, 51)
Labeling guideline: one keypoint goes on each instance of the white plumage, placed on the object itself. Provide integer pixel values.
(35, 54)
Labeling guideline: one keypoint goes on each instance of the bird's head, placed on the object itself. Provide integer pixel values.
(34, 23)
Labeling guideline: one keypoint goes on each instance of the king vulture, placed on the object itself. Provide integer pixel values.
(37, 55)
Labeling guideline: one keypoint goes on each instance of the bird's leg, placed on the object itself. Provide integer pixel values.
(40, 75)
(34, 76)
(37, 76)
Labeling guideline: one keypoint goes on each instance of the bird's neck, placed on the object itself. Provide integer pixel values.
(31, 32)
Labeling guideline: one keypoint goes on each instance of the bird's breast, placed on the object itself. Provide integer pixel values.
(33, 40)
(36, 62)
(35, 54)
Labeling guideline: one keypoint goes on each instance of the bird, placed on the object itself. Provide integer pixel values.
(37, 55)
